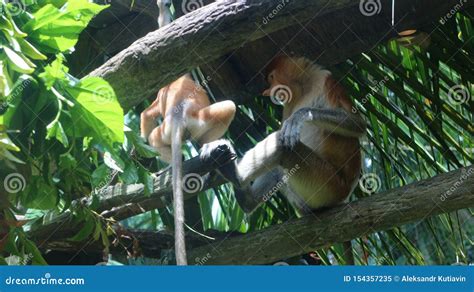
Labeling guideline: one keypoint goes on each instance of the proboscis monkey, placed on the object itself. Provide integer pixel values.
(316, 150)
(187, 114)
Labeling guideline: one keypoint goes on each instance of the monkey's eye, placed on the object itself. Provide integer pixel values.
(270, 77)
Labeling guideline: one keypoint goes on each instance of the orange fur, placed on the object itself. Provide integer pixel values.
(205, 122)
(330, 163)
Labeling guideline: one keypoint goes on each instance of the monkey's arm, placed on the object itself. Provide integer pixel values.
(254, 177)
(148, 118)
(337, 121)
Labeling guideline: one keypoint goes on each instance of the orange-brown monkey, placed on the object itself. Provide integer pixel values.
(186, 109)
(319, 142)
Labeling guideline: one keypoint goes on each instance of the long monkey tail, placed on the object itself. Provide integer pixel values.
(177, 179)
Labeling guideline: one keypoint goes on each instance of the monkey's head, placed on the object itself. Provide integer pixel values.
(286, 77)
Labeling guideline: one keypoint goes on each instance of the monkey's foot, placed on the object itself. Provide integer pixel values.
(247, 202)
(219, 152)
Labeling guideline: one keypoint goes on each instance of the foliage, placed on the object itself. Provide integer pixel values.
(60, 137)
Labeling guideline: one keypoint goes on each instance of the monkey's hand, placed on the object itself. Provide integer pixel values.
(290, 132)
(219, 152)
(223, 154)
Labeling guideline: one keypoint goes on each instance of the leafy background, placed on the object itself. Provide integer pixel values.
(64, 137)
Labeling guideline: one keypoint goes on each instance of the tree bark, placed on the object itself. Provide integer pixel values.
(158, 58)
(123, 201)
(441, 194)
(202, 36)
(444, 193)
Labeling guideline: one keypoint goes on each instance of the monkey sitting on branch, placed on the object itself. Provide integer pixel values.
(316, 153)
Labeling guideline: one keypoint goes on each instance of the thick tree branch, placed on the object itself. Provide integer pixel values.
(441, 194)
(123, 201)
(328, 31)
(159, 57)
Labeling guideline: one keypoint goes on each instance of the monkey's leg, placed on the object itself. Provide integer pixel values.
(309, 182)
(212, 121)
(314, 182)
(259, 191)
(156, 141)
(148, 119)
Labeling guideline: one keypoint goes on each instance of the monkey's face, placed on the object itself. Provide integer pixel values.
(284, 81)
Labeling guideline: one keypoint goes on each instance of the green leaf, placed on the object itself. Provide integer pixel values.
(40, 194)
(28, 49)
(6, 25)
(57, 30)
(67, 161)
(100, 176)
(130, 174)
(144, 150)
(3, 262)
(97, 112)
(55, 130)
(85, 231)
(18, 61)
(14, 28)
(34, 251)
(146, 179)
(5, 81)
(54, 72)
(113, 161)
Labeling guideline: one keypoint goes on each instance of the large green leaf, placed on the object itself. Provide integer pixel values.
(57, 30)
(96, 112)
(40, 194)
